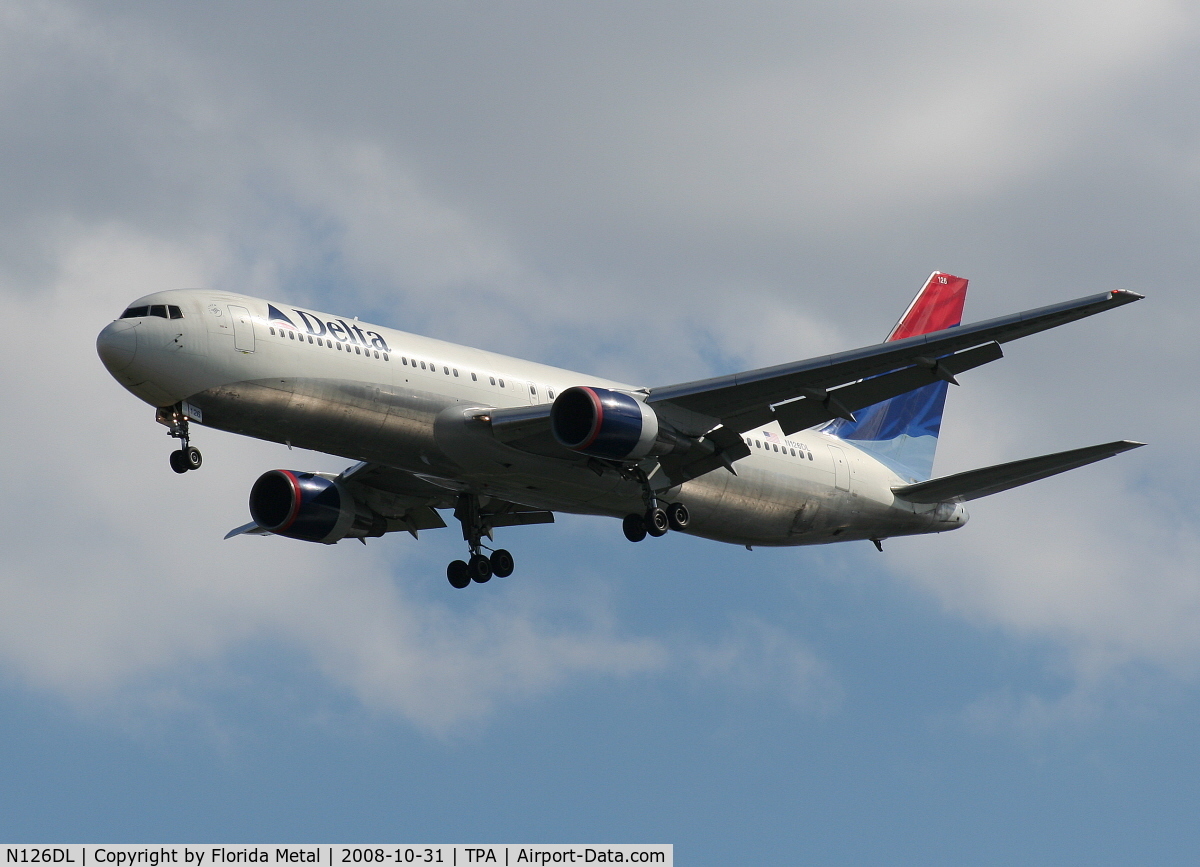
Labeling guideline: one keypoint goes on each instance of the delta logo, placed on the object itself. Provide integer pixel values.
(338, 329)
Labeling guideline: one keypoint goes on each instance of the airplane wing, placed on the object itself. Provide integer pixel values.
(410, 503)
(984, 482)
(806, 393)
(743, 400)
(411, 499)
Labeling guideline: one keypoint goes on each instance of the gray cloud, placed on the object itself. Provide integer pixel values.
(652, 193)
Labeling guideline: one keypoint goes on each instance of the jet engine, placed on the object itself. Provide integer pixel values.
(313, 507)
(611, 424)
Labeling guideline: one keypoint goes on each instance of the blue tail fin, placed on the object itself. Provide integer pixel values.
(904, 431)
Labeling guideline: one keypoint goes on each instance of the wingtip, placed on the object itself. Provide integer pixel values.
(1126, 296)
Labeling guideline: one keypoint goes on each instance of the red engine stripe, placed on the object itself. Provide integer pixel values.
(597, 424)
(297, 496)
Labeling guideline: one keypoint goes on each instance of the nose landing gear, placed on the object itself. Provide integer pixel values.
(187, 457)
(480, 567)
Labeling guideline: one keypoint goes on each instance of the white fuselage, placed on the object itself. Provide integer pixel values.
(379, 395)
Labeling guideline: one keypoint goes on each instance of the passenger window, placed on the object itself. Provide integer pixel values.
(320, 342)
(445, 370)
(310, 338)
(493, 379)
(291, 335)
(775, 447)
(793, 452)
(175, 312)
(339, 346)
(551, 393)
(356, 351)
(376, 351)
(405, 360)
(456, 371)
(474, 378)
(502, 383)
(422, 365)
(272, 331)
(757, 444)
(159, 310)
(810, 456)
(385, 358)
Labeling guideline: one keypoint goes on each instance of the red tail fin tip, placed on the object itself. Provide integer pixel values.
(938, 305)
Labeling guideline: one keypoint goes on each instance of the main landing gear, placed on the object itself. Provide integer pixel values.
(657, 519)
(187, 457)
(479, 567)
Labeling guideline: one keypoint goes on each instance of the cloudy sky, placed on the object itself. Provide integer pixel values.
(653, 192)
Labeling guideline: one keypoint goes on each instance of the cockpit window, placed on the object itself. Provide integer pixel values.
(166, 311)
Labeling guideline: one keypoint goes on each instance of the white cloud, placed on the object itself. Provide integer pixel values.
(142, 156)
(115, 571)
(757, 657)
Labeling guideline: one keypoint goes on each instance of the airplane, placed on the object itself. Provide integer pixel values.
(828, 449)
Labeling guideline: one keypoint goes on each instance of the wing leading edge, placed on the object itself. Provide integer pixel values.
(744, 398)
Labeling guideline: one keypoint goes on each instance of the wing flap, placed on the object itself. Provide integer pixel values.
(984, 482)
(822, 407)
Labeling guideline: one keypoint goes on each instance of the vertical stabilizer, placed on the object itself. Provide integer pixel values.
(903, 431)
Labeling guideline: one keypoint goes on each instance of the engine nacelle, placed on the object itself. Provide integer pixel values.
(310, 506)
(609, 424)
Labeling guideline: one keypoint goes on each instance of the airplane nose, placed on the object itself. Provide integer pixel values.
(117, 344)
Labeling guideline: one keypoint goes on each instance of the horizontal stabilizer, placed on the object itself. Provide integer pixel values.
(974, 484)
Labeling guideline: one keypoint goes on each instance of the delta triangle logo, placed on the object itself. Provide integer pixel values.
(275, 315)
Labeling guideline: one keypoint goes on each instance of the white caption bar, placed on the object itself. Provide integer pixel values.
(350, 855)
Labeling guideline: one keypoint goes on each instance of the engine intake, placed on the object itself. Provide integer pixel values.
(609, 424)
(311, 507)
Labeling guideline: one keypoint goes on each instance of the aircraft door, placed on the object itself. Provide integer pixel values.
(841, 469)
(243, 328)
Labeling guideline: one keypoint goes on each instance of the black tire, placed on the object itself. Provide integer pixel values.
(502, 563)
(480, 569)
(678, 516)
(457, 574)
(634, 527)
(656, 522)
(192, 458)
(177, 463)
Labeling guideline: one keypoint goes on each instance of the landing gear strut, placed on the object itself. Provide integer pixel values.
(479, 567)
(657, 519)
(187, 457)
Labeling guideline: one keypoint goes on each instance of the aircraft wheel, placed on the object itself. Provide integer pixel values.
(191, 458)
(480, 569)
(177, 463)
(502, 563)
(656, 522)
(634, 527)
(457, 574)
(677, 516)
